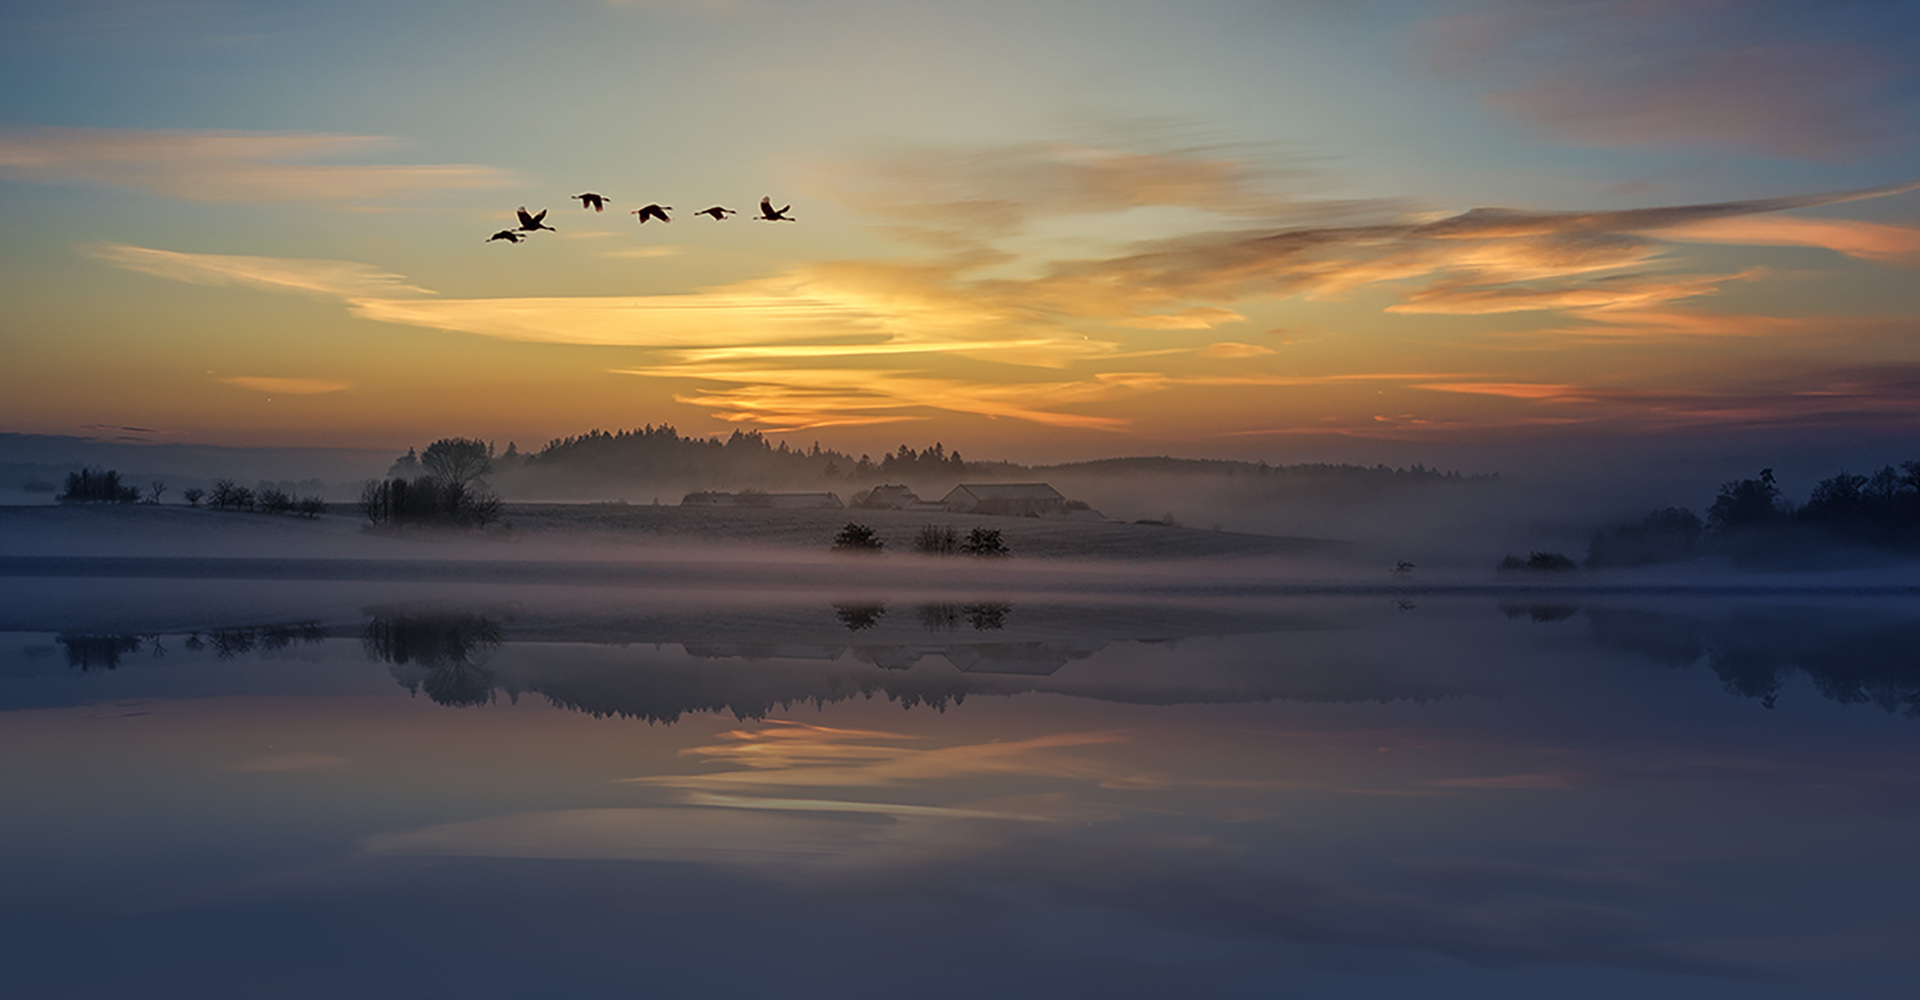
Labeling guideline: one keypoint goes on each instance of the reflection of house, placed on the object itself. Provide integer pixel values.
(1010, 499)
(1034, 659)
(756, 499)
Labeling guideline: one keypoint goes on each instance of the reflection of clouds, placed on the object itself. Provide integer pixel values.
(791, 754)
(289, 762)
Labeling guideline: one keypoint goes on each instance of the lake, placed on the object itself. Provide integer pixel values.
(374, 788)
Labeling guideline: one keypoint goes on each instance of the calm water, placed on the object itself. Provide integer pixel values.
(306, 790)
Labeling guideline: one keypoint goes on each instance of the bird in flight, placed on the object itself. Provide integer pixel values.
(529, 223)
(597, 202)
(653, 212)
(769, 214)
(506, 234)
(719, 214)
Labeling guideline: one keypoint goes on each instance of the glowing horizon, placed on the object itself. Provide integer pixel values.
(1046, 228)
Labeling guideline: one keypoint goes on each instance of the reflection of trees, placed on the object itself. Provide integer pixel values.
(98, 652)
(859, 617)
(1543, 613)
(1850, 656)
(104, 652)
(982, 615)
(985, 615)
(228, 643)
(938, 617)
(441, 654)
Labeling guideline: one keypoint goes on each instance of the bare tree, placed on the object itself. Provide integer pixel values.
(457, 461)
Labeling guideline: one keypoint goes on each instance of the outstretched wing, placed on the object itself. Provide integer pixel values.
(542, 215)
(766, 206)
(525, 219)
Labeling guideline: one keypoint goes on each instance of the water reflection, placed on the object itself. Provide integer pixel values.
(1851, 656)
(441, 653)
(105, 651)
(99, 652)
(1292, 798)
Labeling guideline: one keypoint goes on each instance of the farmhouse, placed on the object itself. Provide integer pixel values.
(764, 501)
(1006, 499)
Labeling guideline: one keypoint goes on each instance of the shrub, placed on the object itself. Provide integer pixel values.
(857, 538)
(272, 500)
(312, 507)
(1551, 562)
(936, 540)
(984, 542)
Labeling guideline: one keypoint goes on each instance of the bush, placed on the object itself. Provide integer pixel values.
(1551, 562)
(936, 540)
(984, 542)
(857, 538)
(88, 486)
(273, 501)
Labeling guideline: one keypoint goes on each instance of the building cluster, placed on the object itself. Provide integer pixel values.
(1000, 499)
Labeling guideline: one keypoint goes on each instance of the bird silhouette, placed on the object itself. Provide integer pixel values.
(717, 213)
(529, 223)
(506, 234)
(597, 202)
(653, 212)
(768, 214)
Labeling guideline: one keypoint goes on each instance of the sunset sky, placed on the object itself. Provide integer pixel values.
(1041, 229)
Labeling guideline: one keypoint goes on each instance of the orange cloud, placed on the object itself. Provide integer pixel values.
(277, 386)
(1872, 241)
(1512, 390)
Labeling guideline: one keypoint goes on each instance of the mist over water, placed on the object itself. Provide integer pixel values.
(1364, 791)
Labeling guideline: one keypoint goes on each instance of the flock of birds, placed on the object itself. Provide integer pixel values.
(531, 222)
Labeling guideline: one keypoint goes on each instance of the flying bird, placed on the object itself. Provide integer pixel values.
(506, 234)
(529, 223)
(653, 212)
(597, 202)
(768, 214)
(717, 213)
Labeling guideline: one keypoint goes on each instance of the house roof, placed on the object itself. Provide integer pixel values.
(1011, 491)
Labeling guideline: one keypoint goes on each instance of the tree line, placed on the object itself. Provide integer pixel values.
(1751, 519)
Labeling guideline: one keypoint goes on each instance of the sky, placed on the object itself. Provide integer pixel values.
(1042, 230)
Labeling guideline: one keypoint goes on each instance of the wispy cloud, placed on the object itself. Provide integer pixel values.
(344, 279)
(278, 386)
(229, 166)
(1873, 241)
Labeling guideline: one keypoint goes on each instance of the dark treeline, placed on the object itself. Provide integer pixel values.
(443, 486)
(1751, 520)
(1165, 465)
(88, 486)
(268, 498)
(661, 456)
